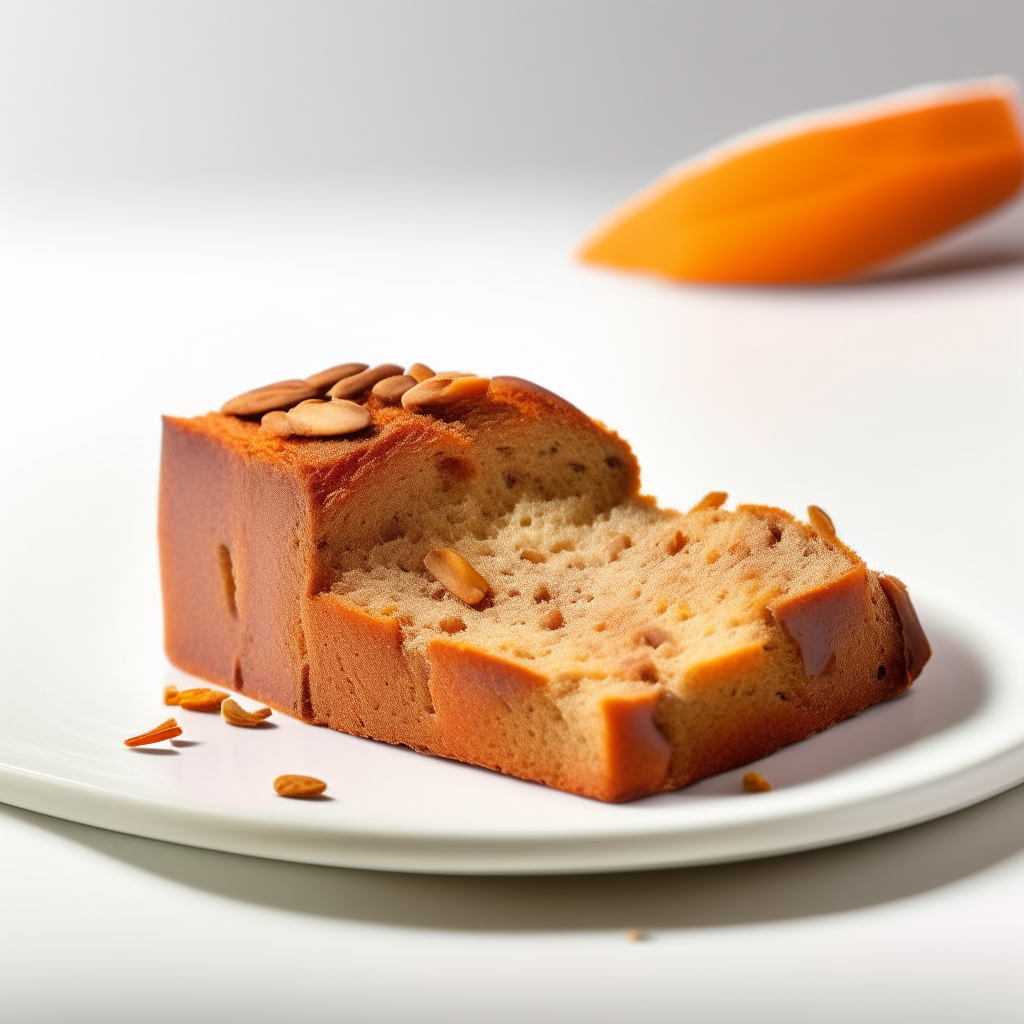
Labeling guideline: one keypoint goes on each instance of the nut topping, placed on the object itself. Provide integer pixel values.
(276, 423)
(282, 395)
(456, 575)
(298, 787)
(420, 372)
(821, 523)
(327, 419)
(356, 384)
(391, 389)
(234, 714)
(714, 499)
(328, 378)
(437, 393)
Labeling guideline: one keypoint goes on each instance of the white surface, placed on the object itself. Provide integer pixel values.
(895, 407)
(956, 738)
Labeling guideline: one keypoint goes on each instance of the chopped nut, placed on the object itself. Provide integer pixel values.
(201, 699)
(171, 696)
(164, 731)
(821, 523)
(328, 419)
(552, 619)
(714, 499)
(391, 389)
(532, 556)
(298, 787)
(234, 714)
(328, 378)
(453, 572)
(441, 391)
(674, 542)
(282, 395)
(420, 371)
(276, 422)
(451, 624)
(617, 545)
(349, 387)
(755, 783)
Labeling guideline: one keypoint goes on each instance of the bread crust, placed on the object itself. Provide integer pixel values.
(250, 528)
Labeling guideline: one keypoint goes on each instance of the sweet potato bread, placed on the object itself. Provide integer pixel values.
(467, 567)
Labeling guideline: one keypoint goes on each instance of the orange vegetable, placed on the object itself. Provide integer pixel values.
(828, 195)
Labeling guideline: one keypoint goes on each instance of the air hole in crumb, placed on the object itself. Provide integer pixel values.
(305, 697)
(451, 624)
(776, 535)
(881, 671)
(513, 592)
(655, 636)
(640, 669)
(227, 576)
(552, 619)
(542, 594)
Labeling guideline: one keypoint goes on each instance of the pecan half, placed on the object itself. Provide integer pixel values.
(456, 575)
(234, 714)
(282, 395)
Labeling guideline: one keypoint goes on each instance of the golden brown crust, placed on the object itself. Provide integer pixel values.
(249, 532)
(916, 645)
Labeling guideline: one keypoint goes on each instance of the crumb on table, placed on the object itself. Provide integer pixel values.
(753, 782)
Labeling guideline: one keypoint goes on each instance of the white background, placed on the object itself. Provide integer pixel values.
(197, 198)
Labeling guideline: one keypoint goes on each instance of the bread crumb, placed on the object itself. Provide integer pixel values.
(755, 783)
(635, 935)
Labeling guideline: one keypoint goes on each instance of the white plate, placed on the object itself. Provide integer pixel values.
(955, 739)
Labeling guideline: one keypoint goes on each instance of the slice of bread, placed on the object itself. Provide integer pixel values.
(475, 574)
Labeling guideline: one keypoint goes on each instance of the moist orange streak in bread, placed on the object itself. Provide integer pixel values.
(621, 649)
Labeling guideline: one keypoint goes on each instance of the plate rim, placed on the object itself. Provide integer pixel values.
(983, 756)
